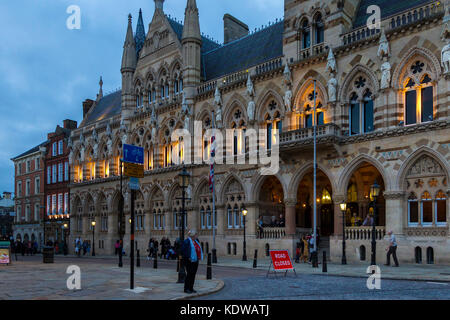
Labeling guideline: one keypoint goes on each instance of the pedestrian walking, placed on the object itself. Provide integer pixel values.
(191, 254)
(116, 247)
(392, 249)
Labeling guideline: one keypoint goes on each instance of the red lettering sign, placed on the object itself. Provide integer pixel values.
(281, 260)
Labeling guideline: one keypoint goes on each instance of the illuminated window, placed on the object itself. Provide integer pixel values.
(418, 95)
(426, 209)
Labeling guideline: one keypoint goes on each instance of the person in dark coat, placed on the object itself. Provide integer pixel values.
(191, 252)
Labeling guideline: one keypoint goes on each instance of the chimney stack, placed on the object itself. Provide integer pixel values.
(87, 105)
(70, 124)
(233, 29)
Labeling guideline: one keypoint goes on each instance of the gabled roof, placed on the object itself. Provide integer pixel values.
(108, 106)
(388, 8)
(243, 53)
(32, 150)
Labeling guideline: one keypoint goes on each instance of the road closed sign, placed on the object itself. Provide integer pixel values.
(281, 260)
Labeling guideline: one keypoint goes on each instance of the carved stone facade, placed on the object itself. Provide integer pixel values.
(393, 128)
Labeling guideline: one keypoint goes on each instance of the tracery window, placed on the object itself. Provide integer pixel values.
(206, 213)
(418, 93)
(273, 123)
(361, 106)
(239, 127)
(319, 29)
(306, 34)
(235, 198)
(427, 179)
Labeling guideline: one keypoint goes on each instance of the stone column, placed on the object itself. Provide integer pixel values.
(290, 216)
(395, 213)
(337, 200)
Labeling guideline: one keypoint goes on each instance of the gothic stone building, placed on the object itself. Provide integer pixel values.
(381, 96)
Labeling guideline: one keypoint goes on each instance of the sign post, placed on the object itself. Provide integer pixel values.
(280, 261)
(133, 161)
(5, 252)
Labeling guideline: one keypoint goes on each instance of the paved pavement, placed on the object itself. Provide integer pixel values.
(99, 280)
(425, 272)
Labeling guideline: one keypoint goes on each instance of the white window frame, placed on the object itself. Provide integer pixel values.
(66, 171)
(37, 185)
(54, 204)
(66, 202)
(440, 224)
(60, 172)
(426, 224)
(49, 175)
(54, 173)
(49, 199)
(60, 147)
(413, 224)
(54, 149)
(230, 217)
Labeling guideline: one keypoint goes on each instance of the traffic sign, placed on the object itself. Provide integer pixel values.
(133, 154)
(134, 183)
(133, 170)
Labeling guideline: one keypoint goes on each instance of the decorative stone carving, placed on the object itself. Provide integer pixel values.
(251, 107)
(331, 64)
(287, 75)
(425, 166)
(218, 107)
(383, 48)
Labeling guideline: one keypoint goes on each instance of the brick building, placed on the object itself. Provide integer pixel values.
(29, 191)
(56, 183)
(6, 215)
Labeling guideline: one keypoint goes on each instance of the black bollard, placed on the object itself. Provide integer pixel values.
(324, 264)
(214, 256)
(208, 268)
(254, 259)
(155, 262)
(138, 259)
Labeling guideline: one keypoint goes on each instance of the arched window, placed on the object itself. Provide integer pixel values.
(306, 34)
(326, 197)
(319, 29)
(418, 94)
(440, 208)
(234, 196)
(361, 111)
(308, 109)
(274, 124)
(426, 209)
(202, 218)
(413, 210)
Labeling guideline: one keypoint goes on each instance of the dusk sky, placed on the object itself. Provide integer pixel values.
(47, 70)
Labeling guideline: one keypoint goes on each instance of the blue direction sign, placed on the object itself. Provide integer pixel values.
(133, 183)
(133, 154)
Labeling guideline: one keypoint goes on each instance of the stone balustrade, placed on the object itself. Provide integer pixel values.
(364, 233)
(304, 135)
(271, 233)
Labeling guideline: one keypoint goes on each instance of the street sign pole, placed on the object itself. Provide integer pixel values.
(132, 241)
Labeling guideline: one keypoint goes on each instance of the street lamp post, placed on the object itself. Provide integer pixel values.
(244, 214)
(374, 192)
(121, 226)
(65, 227)
(93, 238)
(343, 209)
(184, 177)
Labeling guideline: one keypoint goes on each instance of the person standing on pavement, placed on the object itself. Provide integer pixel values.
(392, 249)
(191, 253)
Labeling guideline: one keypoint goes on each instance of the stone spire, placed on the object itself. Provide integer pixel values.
(139, 37)
(128, 68)
(159, 5)
(191, 27)
(100, 91)
(129, 49)
(192, 43)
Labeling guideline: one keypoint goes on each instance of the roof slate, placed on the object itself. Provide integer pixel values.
(109, 106)
(32, 150)
(388, 8)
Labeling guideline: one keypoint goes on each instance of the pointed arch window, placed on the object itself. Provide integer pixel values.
(426, 209)
(306, 34)
(368, 112)
(418, 94)
(319, 29)
(413, 210)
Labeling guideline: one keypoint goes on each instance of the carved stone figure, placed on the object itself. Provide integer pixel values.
(445, 57)
(385, 74)
(251, 110)
(288, 99)
(108, 131)
(186, 122)
(124, 138)
(332, 88)
(95, 150)
(331, 64)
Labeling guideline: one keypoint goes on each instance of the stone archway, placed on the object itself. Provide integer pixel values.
(324, 203)
(360, 206)
(271, 202)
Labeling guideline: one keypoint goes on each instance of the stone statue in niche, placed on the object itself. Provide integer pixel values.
(385, 74)
(332, 88)
(445, 57)
(251, 104)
